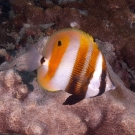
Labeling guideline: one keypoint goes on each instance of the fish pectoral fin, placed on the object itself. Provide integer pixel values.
(32, 59)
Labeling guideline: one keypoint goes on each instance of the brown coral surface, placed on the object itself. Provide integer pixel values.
(33, 111)
(25, 108)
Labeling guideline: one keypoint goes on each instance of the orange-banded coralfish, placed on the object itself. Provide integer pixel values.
(71, 61)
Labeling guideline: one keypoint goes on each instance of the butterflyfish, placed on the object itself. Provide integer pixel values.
(72, 62)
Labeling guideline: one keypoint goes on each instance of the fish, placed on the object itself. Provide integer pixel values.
(71, 61)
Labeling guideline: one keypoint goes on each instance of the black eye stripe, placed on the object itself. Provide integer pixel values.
(42, 60)
(59, 43)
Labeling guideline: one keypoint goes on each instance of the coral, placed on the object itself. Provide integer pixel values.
(45, 4)
(4, 38)
(29, 110)
(3, 55)
(5, 7)
(25, 107)
(19, 6)
(129, 57)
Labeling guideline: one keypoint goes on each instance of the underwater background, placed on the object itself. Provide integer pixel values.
(26, 109)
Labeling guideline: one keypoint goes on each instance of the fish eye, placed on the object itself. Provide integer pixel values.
(42, 60)
(59, 43)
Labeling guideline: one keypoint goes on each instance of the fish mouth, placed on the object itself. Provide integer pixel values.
(42, 60)
(45, 62)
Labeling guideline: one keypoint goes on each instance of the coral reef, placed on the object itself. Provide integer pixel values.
(109, 21)
(30, 110)
(25, 108)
